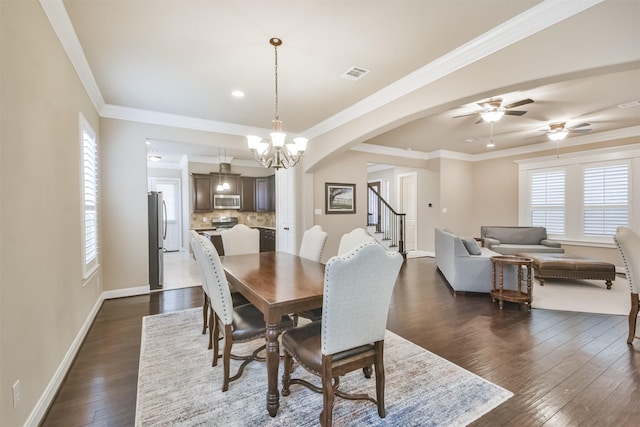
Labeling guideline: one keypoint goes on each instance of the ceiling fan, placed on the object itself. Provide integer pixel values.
(559, 131)
(493, 110)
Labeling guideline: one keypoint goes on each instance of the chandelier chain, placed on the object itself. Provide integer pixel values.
(275, 48)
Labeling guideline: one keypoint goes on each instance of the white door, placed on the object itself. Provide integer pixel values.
(285, 211)
(170, 188)
(408, 197)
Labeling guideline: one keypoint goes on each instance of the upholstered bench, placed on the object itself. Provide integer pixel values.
(565, 266)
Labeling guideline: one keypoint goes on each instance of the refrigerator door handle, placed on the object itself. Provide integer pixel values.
(164, 220)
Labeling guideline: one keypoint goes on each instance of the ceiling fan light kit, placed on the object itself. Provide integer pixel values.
(492, 116)
(558, 135)
(277, 153)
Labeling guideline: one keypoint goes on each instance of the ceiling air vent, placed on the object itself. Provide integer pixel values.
(354, 73)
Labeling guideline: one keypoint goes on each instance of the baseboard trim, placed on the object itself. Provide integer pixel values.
(39, 411)
(128, 292)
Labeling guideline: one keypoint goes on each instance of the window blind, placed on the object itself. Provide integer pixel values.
(90, 197)
(606, 199)
(546, 202)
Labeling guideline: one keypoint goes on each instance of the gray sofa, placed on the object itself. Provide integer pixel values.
(464, 271)
(514, 240)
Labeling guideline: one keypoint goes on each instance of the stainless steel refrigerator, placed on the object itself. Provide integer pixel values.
(157, 233)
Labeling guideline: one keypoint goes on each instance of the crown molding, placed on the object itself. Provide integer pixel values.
(111, 111)
(389, 151)
(611, 135)
(531, 21)
(59, 19)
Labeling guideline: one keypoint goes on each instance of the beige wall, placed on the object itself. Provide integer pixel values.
(125, 243)
(44, 302)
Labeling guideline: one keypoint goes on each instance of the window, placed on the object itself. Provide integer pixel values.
(583, 197)
(89, 197)
(606, 199)
(547, 201)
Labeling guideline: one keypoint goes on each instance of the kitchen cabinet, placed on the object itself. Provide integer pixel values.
(216, 239)
(266, 194)
(267, 240)
(202, 192)
(232, 180)
(247, 194)
(205, 186)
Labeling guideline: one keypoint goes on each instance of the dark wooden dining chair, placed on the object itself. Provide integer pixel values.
(628, 243)
(350, 336)
(236, 324)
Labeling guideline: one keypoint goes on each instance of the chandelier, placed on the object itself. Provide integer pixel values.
(276, 153)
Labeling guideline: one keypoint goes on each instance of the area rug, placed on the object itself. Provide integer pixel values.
(177, 385)
(587, 296)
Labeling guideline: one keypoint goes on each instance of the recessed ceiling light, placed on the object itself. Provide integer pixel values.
(237, 93)
(154, 158)
(148, 142)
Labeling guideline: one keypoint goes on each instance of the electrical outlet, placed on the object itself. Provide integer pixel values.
(16, 393)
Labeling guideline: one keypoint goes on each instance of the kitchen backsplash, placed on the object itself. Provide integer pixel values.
(251, 219)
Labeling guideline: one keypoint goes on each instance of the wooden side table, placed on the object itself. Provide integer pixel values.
(519, 296)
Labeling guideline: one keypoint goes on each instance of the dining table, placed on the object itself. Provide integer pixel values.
(277, 283)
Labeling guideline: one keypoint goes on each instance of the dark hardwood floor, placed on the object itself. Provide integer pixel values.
(565, 369)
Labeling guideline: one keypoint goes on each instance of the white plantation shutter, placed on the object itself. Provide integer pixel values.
(546, 190)
(606, 199)
(90, 196)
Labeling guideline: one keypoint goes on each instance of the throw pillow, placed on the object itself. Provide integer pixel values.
(472, 245)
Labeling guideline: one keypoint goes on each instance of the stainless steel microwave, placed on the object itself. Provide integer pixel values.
(226, 201)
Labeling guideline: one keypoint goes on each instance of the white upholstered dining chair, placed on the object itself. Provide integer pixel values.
(350, 336)
(240, 240)
(313, 241)
(352, 239)
(628, 243)
(236, 324)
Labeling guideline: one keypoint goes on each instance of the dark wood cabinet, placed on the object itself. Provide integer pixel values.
(205, 186)
(216, 239)
(267, 240)
(256, 194)
(232, 180)
(202, 191)
(265, 194)
(247, 194)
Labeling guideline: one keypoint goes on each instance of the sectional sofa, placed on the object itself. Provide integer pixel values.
(465, 265)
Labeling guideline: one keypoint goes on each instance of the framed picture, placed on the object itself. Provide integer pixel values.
(340, 198)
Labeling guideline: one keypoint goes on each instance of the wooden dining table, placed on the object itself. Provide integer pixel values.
(277, 283)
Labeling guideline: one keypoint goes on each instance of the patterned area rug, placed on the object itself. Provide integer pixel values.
(586, 296)
(178, 387)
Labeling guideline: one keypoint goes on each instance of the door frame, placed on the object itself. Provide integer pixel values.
(400, 205)
(178, 200)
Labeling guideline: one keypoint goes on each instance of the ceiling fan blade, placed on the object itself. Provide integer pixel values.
(579, 130)
(519, 103)
(514, 113)
(491, 103)
(465, 115)
(581, 125)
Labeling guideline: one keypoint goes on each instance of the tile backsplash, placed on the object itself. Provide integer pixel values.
(251, 219)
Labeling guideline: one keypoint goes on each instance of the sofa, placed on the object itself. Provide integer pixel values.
(514, 240)
(465, 265)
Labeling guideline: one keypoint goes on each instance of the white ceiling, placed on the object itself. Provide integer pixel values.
(181, 59)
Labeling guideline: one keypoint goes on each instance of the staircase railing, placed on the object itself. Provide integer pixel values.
(386, 220)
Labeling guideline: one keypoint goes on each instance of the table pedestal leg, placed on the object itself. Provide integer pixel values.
(273, 362)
